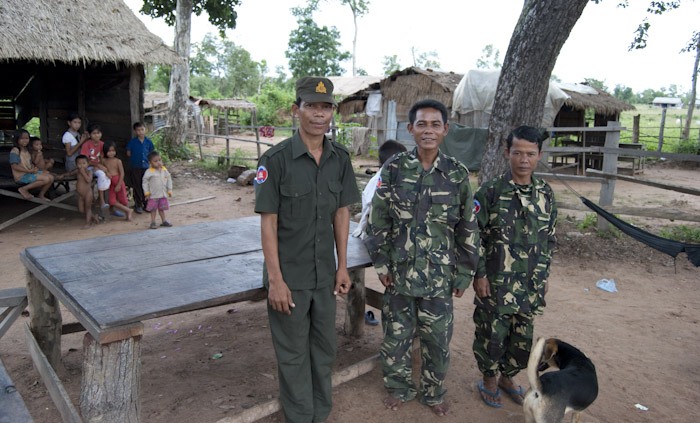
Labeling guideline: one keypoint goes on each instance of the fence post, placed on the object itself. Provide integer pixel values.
(257, 132)
(635, 129)
(661, 129)
(607, 188)
(228, 160)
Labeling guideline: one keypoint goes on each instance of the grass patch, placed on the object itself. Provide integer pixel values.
(683, 233)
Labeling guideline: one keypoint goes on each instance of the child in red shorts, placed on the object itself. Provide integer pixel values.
(117, 189)
(157, 186)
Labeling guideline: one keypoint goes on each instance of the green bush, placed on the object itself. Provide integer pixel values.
(683, 233)
(270, 101)
(169, 153)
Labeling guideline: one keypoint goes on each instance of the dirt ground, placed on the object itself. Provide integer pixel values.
(641, 338)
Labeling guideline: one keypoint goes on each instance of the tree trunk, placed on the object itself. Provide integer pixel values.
(661, 128)
(537, 39)
(354, 44)
(693, 90)
(180, 76)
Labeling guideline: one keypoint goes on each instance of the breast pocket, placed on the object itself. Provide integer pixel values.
(444, 209)
(336, 189)
(296, 200)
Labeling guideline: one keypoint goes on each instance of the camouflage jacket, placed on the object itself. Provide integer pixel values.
(517, 225)
(422, 228)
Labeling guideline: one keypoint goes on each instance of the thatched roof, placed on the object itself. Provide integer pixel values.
(78, 31)
(232, 103)
(347, 85)
(412, 84)
(602, 102)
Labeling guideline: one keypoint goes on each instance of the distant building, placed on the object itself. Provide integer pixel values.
(667, 102)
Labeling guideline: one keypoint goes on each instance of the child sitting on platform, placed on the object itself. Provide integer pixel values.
(38, 156)
(92, 149)
(388, 149)
(157, 186)
(117, 189)
(84, 188)
(23, 170)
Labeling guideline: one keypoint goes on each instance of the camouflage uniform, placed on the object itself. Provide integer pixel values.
(517, 225)
(423, 232)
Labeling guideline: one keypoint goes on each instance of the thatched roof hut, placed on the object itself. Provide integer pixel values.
(583, 97)
(413, 84)
(84, 56)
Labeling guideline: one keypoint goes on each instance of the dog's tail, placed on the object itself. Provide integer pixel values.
(533, 364)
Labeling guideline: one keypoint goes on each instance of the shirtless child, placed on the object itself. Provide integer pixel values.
(84, 187)
(117, 189)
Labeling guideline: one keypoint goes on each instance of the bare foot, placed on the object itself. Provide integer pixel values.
(441, 409)
(87, 226)
(129, 215)
(26, 194)
(392, 403)
(489, 391)
(514, 392)
(41, 197)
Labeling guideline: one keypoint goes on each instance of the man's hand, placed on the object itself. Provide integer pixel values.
(280, 297)
(386, 280)
(342, 282)
(482, 287)
(546, 287)
(458, 292)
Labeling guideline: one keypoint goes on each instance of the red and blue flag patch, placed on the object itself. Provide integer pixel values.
(261, 175)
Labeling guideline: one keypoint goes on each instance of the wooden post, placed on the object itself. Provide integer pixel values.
(228, 160)
(135, 102)
(44, 108)
(661, 129)
(111, 385)
(635, 129)
(355, 308)
(607, 188)
(257, 132)
(81, 97)
(45, 320)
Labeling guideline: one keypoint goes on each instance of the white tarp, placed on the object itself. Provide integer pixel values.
(473, 99)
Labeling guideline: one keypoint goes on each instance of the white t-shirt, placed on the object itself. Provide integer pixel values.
(71, 138)
(367, 195)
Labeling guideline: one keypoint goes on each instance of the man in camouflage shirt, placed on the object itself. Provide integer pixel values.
(517, 217)
(423, 240)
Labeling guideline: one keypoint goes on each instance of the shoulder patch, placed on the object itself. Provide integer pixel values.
(278, 147)
(261, 175)
(379, 182)
(477, 206)
(340, 146)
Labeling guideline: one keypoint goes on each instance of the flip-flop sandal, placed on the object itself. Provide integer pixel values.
(369, 318)
(516, 395)
(166, 224)
(153, 226)
(489, 393)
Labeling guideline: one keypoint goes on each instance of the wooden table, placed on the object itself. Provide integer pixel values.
(111, 284)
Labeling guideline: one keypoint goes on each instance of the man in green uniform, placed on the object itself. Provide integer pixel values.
(517, 218)
(303, 186)
(423, 240)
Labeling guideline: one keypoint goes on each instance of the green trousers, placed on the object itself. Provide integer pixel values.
(502, 342)
(305, 347)
(402, 318)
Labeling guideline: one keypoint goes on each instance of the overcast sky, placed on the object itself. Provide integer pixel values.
(459, 30)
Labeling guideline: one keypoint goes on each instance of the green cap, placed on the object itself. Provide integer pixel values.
(314, 89)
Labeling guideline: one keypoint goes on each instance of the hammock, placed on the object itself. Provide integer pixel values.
(667, 246)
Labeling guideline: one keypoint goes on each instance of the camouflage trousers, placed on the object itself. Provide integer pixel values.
(402, 318)
(502, 342)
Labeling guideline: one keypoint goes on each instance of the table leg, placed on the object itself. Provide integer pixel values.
(45, 320)
(355, 309)
(111, 387)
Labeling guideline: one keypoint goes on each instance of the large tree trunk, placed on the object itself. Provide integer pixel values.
(691, 103)
(180, 76)
(539, 35)
(354, 45)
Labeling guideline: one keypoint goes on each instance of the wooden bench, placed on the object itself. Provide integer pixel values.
(56, 202)
(12, 408)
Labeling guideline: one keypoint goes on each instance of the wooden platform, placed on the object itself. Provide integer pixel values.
(111, 284)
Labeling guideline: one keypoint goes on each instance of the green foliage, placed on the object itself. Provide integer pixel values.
(688, 147)
(158, 78)
(229, 67)
(426, 60)
(683, 233)
(596, 83)
(270, 101)
(33, 127)
(390, 64)
(344, 136)
(169, 152)
(314, 50)
(649, 123)
(221, 13)
(489, 58)
(624, 93)
(588, 222)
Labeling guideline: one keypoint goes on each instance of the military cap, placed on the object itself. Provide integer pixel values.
(314, 89)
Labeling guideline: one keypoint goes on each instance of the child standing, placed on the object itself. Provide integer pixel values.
(388, 149)
(38, 156)
(117, 189)
(157, 186)
(137, 149)
(23, 170)
(84, 188)
(92, 149)
(73, 141)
